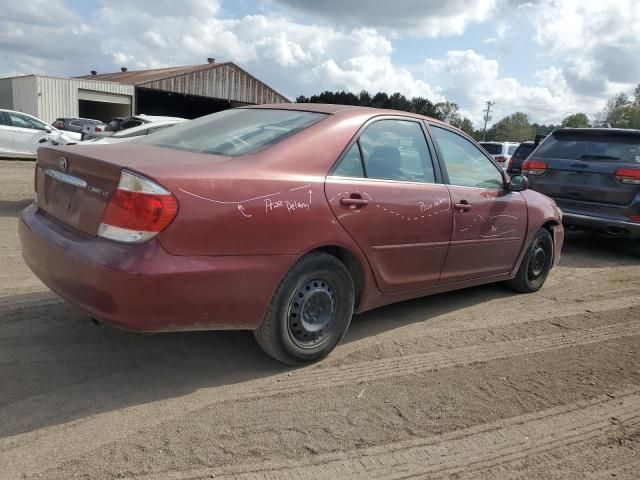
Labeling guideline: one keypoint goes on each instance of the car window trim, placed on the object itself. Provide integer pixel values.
(438, 179)
(490, 158)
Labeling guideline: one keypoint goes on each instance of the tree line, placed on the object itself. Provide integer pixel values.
(621, 111)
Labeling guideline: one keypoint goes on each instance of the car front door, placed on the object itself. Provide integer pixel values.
(489, 222)
(27, 131)
(6, 134)
(388, 196)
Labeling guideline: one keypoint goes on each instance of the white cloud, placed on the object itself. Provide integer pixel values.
(471, 80)
(422, 18)
(596, 42)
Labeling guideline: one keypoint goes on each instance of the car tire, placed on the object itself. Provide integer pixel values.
(309, 312)
(535, 265)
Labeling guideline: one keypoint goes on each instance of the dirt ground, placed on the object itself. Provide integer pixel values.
(475, 384)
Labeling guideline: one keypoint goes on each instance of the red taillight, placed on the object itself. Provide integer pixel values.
(634, 218)
(533, 167)
(139, 209)
(98, 129)
(510, 166)
(501, 159)
(628, 175)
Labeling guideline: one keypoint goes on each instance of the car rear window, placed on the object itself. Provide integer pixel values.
(604, 146)
(492, 148)
(235, 132)
(522, 152)
(512, 148)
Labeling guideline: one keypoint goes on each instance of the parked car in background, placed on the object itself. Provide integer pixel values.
(119, 123)
(85, 126)
(135, 132)
(521, 153)
(500, 151)
(594, 176)
(282, 219)
(21, 134)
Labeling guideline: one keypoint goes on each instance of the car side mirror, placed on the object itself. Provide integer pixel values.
(48, 129)
(518, 183)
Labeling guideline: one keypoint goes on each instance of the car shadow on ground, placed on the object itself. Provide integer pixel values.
(587, 250)
(11, 208)
(56, 366)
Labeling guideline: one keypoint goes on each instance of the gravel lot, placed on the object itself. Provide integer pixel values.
(475, 384)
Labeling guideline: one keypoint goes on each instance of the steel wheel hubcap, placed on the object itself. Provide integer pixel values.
(538, 261)
(310, 312)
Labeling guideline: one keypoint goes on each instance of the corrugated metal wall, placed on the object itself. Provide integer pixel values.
(226, 82)
(24, 95)
(50, 97)
(58, 97)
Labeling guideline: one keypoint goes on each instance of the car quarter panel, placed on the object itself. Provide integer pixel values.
(142, 287)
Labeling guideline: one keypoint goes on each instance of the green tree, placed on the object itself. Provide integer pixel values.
(513, 128)
(577, 120)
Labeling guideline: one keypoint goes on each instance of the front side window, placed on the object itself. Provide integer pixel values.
(396, 150)
(235, 132)
(466, 165)
(22, 121)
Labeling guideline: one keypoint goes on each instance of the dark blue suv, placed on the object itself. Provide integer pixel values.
(593, 174)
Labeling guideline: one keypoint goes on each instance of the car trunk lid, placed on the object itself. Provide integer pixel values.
(75, 184)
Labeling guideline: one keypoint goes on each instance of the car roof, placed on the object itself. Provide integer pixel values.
(345, 110)
(598, 130)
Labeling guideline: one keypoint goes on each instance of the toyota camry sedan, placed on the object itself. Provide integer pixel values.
(283, 220)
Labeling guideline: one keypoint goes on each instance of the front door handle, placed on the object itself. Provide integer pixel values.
(354, 202)
(462, 206)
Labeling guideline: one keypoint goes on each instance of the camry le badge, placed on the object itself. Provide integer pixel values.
(64, 164)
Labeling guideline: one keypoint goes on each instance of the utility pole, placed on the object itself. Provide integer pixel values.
(486, 119)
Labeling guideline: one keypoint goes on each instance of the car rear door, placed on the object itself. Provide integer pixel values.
(6, 134)
(579, 166)
(388, 196)
(489, 222)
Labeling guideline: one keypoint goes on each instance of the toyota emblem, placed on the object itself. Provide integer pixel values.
(64, 164)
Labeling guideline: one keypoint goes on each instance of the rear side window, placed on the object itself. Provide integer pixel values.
(235, 132)
(492, 148)
(593, 146)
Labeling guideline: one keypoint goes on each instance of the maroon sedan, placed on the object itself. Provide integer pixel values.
(283, 220)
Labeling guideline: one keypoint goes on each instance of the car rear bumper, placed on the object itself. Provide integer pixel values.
(611, 226)
(142, 287)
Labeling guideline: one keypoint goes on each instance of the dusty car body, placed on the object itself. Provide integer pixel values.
(248, 228)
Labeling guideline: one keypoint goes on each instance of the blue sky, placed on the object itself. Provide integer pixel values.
(545, 57)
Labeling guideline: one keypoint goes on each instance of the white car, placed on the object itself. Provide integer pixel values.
(135, 132)
(500, 151)
(21, 134)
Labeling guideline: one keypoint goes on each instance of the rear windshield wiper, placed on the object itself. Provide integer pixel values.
(599, 157)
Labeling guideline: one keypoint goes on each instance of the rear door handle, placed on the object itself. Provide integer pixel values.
(463, 206)
(354, 202)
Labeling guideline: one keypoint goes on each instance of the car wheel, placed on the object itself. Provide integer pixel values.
(310, 311)
(535, 265)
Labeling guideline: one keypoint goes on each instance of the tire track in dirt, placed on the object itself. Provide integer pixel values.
(465, 450)
(66, 441)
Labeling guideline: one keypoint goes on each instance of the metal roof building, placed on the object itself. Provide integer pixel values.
(189, 92)
(192, 91)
